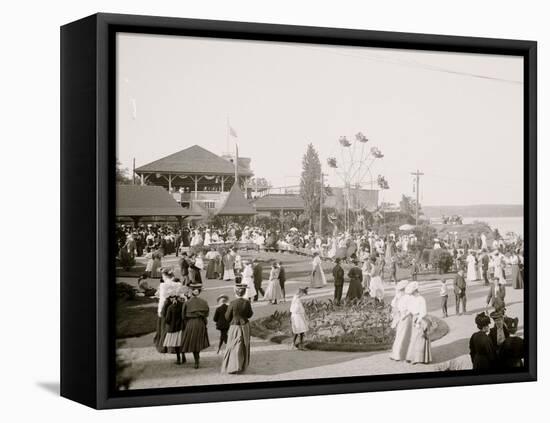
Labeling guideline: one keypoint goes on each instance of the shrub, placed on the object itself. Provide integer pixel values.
(126, 261)
(442, 260)
(125, 291)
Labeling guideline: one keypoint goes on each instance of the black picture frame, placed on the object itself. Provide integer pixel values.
(88, 206)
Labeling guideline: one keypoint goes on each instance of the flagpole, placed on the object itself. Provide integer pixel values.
(227, 135)
(236, 164)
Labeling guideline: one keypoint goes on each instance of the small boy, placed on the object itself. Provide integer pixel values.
(444, 294)
(219, 318)
(414, 270)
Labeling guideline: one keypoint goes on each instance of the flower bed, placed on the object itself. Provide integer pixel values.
(357, 326)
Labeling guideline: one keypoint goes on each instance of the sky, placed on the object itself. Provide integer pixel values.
(458, 118)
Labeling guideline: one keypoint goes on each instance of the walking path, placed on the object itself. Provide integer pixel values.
(272, 362)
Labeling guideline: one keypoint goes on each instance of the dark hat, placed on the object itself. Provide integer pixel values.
(241, 285)
(195, 285)
(511, 324)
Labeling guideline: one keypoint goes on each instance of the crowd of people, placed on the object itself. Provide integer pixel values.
(208, 253)
(183, 319)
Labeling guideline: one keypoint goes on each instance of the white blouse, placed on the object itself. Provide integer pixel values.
(416, 305)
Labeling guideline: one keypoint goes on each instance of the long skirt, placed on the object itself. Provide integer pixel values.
(195, 336)
(251, 289)
(228, 274)
(355, 290)
(402, 339)
(172, 341)
(517, 279)
(366, 282)
(420, 350)
(236, 357)
(211, 270)
(471, 275)
(160, 335)
(318, 279)
(273, 291)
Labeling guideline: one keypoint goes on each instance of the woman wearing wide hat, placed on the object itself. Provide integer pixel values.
(195, 335)
(401, 322)
(420, 347)
(482, 352)
(237, 353)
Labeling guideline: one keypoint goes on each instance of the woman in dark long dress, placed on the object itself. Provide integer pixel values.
(511, 350)
(482, 351)
(195, 335)
(355, 289)
(237, 353)
(174, 327)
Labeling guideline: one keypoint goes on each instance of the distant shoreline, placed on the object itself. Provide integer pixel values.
(486, 210)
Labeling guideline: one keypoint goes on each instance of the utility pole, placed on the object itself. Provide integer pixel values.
(321, 205)
(134, 171)
(418, 174)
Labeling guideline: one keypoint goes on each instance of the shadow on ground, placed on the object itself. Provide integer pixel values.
(51, 387)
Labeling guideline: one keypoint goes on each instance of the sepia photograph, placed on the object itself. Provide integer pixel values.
(289, 211)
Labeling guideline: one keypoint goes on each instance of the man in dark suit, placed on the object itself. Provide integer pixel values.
(485, 267)
(282, 279)
(184, 268)
(338, 274)
(257, 271)
(460, 291)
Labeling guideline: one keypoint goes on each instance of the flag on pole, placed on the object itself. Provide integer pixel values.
(232, 132)
(236, 163)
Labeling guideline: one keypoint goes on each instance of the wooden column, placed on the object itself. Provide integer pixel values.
(196, 186)
(170, 182)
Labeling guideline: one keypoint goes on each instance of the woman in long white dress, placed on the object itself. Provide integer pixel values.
(401, 322)
(207, 238)
(419, 350)
(318, 279)
(273, 293)
(376, 285)
(248, 280)
(298, 318)
(471, 261)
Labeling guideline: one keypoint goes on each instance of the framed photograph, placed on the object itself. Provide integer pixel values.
(258, 211)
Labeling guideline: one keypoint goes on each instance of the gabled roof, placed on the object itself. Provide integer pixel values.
(147, 200)
(236, 204)
(195, 160)
(280, 201)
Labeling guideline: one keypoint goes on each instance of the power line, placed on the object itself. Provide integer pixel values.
(414, 64)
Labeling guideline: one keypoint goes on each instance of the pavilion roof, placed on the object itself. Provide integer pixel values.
(279, 201)
(194, 160)
(236, 204)
(147, 200)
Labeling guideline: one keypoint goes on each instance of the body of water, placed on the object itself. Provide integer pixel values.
(503, 224)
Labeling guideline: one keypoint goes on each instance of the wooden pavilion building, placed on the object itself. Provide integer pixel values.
(197, 178)
(139, 204)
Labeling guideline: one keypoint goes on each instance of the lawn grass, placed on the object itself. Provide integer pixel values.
(135, 317)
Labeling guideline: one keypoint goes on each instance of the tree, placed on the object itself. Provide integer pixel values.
(408, 205)
(310, 183)
(260, 183)
(122, 177)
